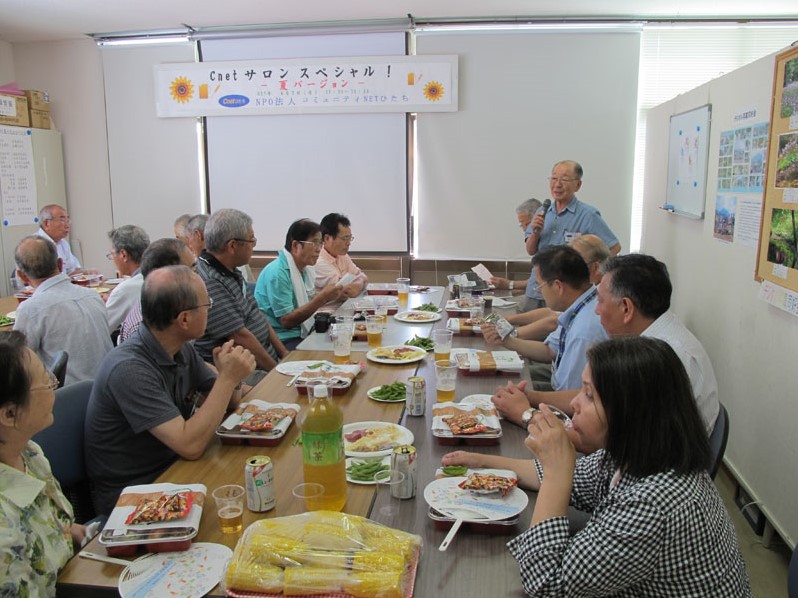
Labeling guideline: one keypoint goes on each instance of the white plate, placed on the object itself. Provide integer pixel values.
(446, 496)
(12, 314)
(428, 317)
(479, 401)
(295, 368)
(499, 302)
(420, 354)
(370, 395)
(115, 280)
(386, 460)
(405, 436)
(189, 574)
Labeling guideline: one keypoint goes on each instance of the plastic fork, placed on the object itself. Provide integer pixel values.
(134, 568)
(459, 515)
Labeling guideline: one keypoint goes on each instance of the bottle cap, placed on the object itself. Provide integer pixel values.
(320, 390)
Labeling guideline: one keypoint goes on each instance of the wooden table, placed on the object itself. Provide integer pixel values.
(473, 565)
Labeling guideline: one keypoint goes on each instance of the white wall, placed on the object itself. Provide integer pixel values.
(752, 344)
(6, 63)
(71, 72)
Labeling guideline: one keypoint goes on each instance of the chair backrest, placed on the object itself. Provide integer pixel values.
(792, 575)
(59, 366)
(62, 442)
(718, 439)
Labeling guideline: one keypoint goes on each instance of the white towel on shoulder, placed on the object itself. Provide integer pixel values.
(303, 288)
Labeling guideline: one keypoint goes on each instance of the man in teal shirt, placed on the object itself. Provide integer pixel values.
(285, 290)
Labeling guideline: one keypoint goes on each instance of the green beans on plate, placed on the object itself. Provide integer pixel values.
(6, 321)
(421, 342)
(390, 392)
(454, 470)
(364, 470)
(427, 307)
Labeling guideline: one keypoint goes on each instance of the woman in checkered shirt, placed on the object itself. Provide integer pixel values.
(658, 526)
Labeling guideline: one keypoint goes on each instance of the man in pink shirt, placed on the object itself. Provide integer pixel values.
(334, 262)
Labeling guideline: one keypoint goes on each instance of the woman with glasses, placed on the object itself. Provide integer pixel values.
(658, 526)
(37, 529)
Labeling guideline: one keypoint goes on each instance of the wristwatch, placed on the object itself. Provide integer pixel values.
(526, 416)
(511, 286)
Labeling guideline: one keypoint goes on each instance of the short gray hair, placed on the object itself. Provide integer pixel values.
(38, 258)
(225, 225)
(576, 166)
(197, 223)
(592, 248)
(530, 206)
(132, 239)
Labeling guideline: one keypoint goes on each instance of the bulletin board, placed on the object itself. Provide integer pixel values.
(777, 261)
(688, 152)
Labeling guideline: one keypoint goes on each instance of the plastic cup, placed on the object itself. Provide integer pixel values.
(311, 493)
(442, 340)
(445, 379)
(402, 287)
(381, 311)
(374, 331)
(342, 341)
(230, 507)
(389, 479)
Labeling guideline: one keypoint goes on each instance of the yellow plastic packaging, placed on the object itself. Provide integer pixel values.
(323, 552)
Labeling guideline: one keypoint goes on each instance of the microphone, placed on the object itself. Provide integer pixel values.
(545, 208)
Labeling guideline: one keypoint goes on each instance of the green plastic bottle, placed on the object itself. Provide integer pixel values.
(323, 451)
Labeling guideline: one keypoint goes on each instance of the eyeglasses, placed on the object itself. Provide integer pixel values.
(316, 243)
(347, 238)
(209, 305)
(54, 383)
(63, 219)
(563, 180)
(254, 240)
(540, 285)
(110, 255)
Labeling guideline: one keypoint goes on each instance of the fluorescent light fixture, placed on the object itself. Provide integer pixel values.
(140, 38)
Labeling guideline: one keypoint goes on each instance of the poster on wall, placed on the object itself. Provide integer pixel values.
(688, 152)
(777, 260)
(741, 159)
(17, 177)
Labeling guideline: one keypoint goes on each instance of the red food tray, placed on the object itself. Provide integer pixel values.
(336, 390)
(467, 440)
(133, 549)
(465, 372)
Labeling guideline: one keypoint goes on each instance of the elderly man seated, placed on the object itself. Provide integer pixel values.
(54, 225)
(286, 290)
(128, 243)
(154, 398)
(60, 316)
(229, 242)
(334, 262)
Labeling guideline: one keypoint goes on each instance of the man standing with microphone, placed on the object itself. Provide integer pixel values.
(560, 222)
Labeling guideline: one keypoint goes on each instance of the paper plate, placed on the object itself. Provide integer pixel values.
(370, 395)
(404, 436)
(418, 355)
(294, 368)
(188, 574)
(444, 495)
(417, 316)
(500, 302)
(386, 460)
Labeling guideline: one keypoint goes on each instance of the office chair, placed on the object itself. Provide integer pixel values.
(59, 366)
(62, 444)
(718, 439)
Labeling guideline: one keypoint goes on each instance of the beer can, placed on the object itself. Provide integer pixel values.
(416, 395)
(403, 459)
(259, 476)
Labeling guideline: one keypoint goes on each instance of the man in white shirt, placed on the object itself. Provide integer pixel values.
(634, 298)
(128, 243)
(55, 223)
(334, 262)
(60, 316)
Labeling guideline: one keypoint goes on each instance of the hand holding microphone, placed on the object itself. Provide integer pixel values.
(540, 217)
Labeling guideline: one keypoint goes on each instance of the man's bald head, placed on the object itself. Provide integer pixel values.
(36, 257)
(167, 292)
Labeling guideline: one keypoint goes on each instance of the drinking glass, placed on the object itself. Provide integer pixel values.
(374, 330)
(381, 311)
(442, 340)
(387, 480)
(311, 493)
(230, 507)
(342, 341)
(402, 285)
(445, 378)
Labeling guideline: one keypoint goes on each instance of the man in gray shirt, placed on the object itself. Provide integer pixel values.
(147, 407)
(60, 316)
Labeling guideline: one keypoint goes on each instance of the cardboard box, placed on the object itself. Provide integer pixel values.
(40, 119)
(37, 100)
(14, 110)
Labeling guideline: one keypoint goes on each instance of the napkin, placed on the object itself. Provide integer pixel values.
(464, 325)
(490, 361)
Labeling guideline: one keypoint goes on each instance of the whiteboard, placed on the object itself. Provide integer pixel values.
(688, 149)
